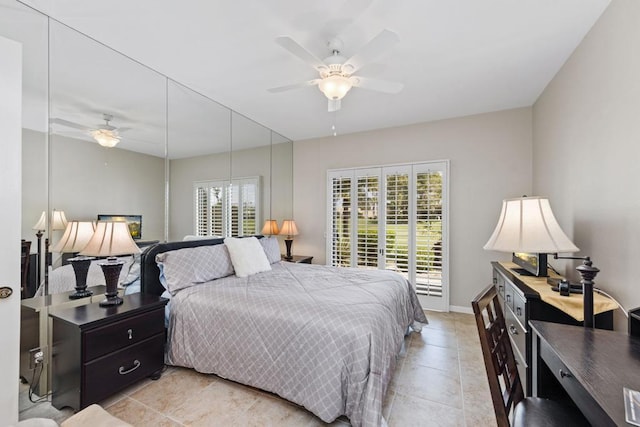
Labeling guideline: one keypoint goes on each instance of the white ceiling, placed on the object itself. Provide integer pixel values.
(455, 57)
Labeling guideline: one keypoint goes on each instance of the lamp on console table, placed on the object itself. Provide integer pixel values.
(289, 229)
(111, 238)
(527, 224)
(75, 238)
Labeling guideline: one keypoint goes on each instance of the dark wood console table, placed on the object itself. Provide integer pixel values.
(591, 365)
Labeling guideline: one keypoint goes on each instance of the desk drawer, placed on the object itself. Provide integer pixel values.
(107, 375)
(100, 341)
(519, 308)
(579, 395)
(516, 332)
(499, 282)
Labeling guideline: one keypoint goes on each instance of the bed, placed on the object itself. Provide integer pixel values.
(322, 337)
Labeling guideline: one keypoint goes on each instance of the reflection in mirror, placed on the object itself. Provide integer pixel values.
(282, 177)
(107, 140)
(199, 153)
(28, 27)
(250, 175)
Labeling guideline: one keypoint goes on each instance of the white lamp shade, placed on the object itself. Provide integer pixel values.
(335, 87)
(75, 237)
(58, 220)
(105, 137)
(41, 225)
(527, 224)
(289, 228)
(111, 238)
(270, 227)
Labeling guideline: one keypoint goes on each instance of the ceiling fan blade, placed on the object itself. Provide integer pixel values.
(372, 50)
(69, 124)
(294, 86)
(334, 105)
(377, 85)
(295, 48)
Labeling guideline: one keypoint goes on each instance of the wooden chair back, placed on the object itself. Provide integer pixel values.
(502, 372)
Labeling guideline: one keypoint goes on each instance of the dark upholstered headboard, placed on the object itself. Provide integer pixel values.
(149, 271)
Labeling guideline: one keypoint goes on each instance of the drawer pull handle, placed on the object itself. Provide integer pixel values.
(136, 365)
(519, 311)
(130, 332)
(513, 330)
(495, 280)
(564, 374)
(508, 298)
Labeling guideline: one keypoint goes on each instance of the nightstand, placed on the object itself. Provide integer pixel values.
(34, 326)
(299, 259)
(98, 351)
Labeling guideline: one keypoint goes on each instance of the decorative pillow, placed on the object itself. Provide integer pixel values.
(186, 267)
(271, 248)
(247, 256)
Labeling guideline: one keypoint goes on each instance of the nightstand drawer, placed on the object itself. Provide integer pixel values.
(106, 339)
(107, 375)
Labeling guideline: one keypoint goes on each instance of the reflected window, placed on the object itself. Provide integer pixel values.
(227, 208)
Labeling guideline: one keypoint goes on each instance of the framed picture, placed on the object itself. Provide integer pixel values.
(133, 221)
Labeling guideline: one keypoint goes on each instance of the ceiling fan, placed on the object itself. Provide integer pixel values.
(105, 134)
(336, 72)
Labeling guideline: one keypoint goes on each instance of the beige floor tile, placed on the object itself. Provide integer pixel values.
(172, 389)
(430, 384)
(438, 337)
(137, 414)
(267, 411)
(217, 404)
(411, 411)
(432, 356)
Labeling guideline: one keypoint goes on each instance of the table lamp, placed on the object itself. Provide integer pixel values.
(270, 227)
(289, 229)
(111, 238)
(527, 224)
(75, 238)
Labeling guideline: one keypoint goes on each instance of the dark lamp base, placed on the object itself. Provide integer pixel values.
(111, 270)
(288, 243)
(81, 266)
(81, 293)
(110, 301)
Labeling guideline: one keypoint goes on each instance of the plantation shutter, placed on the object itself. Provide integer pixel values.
(340, 219)
(227, 208)
(429, 233)
(397, 222)
(368, 182)
(392, 217)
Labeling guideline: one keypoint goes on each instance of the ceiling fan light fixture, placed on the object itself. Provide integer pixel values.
(335, 87)
(105, 137)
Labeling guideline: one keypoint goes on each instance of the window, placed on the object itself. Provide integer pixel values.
(395, 218)
(227, 208)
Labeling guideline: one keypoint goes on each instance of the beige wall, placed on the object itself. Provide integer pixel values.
(586, 133)
(87, 180)
(490, 157)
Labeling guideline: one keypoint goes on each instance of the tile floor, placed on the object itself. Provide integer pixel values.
(439, 381)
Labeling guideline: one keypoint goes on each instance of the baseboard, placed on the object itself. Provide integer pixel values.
(461, 309)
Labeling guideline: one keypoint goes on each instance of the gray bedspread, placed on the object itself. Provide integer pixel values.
(325, 338)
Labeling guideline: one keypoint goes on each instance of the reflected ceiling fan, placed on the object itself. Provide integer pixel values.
(105, 134)
(336, 72)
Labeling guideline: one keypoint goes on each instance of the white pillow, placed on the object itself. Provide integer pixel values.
(247, 256)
